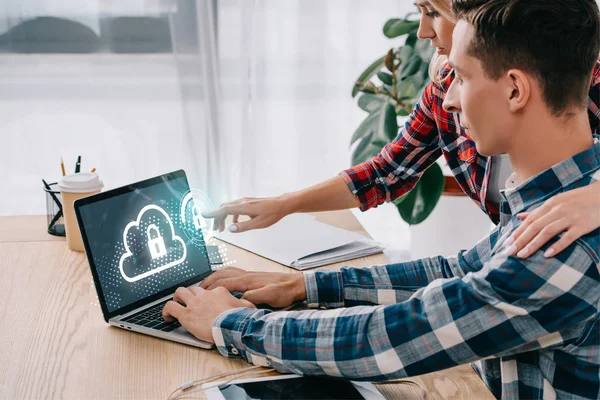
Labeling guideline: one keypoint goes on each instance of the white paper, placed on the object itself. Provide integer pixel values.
(299, 236)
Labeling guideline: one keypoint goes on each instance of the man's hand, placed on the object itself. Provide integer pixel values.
(275, 289)
(196, 309)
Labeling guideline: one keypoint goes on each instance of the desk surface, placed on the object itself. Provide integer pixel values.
(55, 343)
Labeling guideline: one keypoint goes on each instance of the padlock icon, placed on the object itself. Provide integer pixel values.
(156, 243)
(199, 222)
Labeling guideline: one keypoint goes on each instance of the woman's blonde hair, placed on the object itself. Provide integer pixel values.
(444, 7)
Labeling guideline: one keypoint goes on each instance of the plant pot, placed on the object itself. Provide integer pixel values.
(451, 187)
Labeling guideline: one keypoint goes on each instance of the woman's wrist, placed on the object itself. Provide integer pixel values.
(289, 203)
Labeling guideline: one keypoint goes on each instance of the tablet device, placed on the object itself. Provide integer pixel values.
(291, 387)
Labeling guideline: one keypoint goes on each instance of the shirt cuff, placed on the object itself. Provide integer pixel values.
(324, 289)
(364, 199)
(227, 331)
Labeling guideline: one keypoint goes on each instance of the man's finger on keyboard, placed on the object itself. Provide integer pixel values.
(172, 310)
(196, 290)
(266, 295)
(224, 273)
(235, 284)
(183, 295)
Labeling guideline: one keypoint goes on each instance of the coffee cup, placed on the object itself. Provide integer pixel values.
(74, 187)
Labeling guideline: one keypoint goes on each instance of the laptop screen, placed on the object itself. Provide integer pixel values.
(140, 241)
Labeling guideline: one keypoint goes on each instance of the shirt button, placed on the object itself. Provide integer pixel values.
(234, 351)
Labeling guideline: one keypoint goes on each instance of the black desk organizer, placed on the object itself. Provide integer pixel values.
(54, 212)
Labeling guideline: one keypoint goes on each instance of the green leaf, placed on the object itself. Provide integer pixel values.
(360, 148)
(407, 89)
(403, 113)
(412, 38)
(365, 150)
(387, 88)
(388, 123)
(367, 89)
(423, 75)
(400, 200)
(379, 143)
(411, 67)
(381, 123)
(424, 49)
(417, 205)
(371, 103)
(385, 78)
(367, 127)
(367, 75)
(405, 53)
(398, 27)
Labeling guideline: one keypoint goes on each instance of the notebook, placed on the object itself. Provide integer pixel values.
(300, 241)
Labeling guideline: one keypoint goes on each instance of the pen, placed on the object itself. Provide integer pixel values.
(62, 166)
(78, 165)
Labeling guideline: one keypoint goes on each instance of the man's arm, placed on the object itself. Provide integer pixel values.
(382, 284)
(508, 304)
(393, 283)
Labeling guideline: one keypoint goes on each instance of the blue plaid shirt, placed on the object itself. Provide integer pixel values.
(529, 327)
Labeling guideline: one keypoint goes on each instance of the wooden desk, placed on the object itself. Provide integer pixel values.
(55, 344)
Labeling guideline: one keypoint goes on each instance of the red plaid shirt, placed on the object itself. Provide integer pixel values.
(429, 133)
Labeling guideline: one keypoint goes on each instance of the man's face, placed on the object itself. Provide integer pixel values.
(482, 102)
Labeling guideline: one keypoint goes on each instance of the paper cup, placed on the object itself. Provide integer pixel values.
(74, 187)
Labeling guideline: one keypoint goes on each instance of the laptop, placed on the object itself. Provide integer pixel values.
(142, 242)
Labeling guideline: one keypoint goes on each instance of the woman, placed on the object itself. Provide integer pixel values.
(429, 133)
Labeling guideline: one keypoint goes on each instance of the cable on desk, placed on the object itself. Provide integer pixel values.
(186, 387)
(403, 382)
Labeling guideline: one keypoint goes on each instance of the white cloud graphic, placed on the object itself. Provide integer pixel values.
(129, 254)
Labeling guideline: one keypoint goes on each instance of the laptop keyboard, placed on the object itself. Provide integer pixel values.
(152, 317)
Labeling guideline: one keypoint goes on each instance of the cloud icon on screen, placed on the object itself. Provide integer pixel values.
(151, 245)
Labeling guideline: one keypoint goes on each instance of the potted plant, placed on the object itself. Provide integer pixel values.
(389, 89)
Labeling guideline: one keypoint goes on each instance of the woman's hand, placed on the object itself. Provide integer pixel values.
(332, 194)
(262, 212)
(574, 213)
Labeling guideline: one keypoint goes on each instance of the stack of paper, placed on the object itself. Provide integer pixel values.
(301, 242)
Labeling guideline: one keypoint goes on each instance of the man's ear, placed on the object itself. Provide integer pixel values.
(518, 90)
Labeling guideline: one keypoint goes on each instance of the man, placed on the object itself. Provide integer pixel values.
(530, 326)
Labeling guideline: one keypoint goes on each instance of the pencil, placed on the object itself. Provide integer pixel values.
(78, 165)
(93, 169)
(62, 166)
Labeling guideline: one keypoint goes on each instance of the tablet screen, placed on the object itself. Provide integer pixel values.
(296, 388)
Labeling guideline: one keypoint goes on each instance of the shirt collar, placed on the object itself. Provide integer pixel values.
(553, 180)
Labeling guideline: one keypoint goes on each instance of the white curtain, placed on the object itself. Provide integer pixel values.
(194, 34)
(287, 71)
(114, 98)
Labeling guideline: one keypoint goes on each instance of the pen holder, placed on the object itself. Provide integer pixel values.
(54, 212)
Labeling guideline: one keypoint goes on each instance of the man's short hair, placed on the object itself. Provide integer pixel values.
(556, 41)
